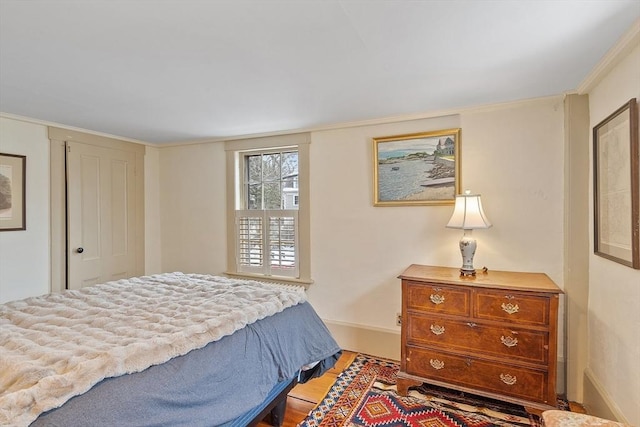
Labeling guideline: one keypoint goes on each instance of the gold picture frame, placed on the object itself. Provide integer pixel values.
(616, 186)
(417, 169)
(12, 192)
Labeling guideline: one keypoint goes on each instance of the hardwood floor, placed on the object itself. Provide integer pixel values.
(304, 397)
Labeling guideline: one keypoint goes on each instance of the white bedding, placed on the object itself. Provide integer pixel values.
(57, 346)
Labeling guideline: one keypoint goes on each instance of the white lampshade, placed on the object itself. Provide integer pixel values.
(468, 213)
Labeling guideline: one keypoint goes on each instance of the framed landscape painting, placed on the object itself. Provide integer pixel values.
(12, 192)
(616, 187)
(417, 169)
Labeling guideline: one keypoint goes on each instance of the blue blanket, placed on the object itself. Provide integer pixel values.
(209, 386)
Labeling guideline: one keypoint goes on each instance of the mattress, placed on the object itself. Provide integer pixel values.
(208, 386)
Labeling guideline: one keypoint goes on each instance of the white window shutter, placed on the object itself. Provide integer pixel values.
(250, 235)
(267, 242)
(282, 238)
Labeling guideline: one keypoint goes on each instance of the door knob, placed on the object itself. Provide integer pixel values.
(80, 250)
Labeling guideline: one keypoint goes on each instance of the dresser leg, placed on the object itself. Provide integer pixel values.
(534, 411)
(403, 384)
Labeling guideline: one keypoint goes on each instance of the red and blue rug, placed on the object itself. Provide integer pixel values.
(365, 395)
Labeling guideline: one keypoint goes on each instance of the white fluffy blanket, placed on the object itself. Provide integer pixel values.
(58, 346)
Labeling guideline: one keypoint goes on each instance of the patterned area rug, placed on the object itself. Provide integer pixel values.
(365, 395)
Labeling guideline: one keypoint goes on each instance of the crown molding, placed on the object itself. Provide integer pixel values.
(629, 41)
(335, 126)
(70, 128)
(371, 122)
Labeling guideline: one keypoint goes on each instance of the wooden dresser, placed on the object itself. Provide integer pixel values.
(494, 334)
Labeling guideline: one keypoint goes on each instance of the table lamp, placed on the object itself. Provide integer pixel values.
(468, 215)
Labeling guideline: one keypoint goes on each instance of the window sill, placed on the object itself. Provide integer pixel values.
(277, 279)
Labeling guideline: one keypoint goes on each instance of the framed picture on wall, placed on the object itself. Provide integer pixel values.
(417, 169)
(12, 192)
(616, 186)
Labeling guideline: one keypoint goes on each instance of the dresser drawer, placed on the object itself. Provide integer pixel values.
(434, 298)
(528, 384)
(500, 341)
(511, 306)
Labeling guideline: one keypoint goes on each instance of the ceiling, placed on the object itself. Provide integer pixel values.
(183, 70)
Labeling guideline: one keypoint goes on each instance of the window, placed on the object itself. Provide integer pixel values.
(266, 220)
(268, 234)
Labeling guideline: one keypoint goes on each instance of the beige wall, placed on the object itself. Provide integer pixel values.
(358, 250)
(576, 244)
(614, 290)
(193, 208)
(24, 254)
(511, 154)
(152, 231)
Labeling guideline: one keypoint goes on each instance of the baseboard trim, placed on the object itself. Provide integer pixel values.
(374, 341)
(597, 401)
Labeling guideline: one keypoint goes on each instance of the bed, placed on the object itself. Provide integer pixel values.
(172, 349)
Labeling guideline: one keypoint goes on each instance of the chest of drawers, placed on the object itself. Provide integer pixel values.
(494, 334)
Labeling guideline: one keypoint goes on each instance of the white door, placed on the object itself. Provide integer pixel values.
(101, 214)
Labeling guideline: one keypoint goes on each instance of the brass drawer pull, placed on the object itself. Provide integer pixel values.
(508, 379)
(436, 364)
(509, 341)
(436, 299)
(437, 329)
(510, 308)
(471, 324)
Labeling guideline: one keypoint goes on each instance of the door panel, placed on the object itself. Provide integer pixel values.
(119, 207)
(122, 256)
(101, 214)
(90, 238)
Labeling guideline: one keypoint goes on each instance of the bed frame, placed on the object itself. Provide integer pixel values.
(276, 408)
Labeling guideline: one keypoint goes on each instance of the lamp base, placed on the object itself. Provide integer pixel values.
(468, 250)
(466, 273)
